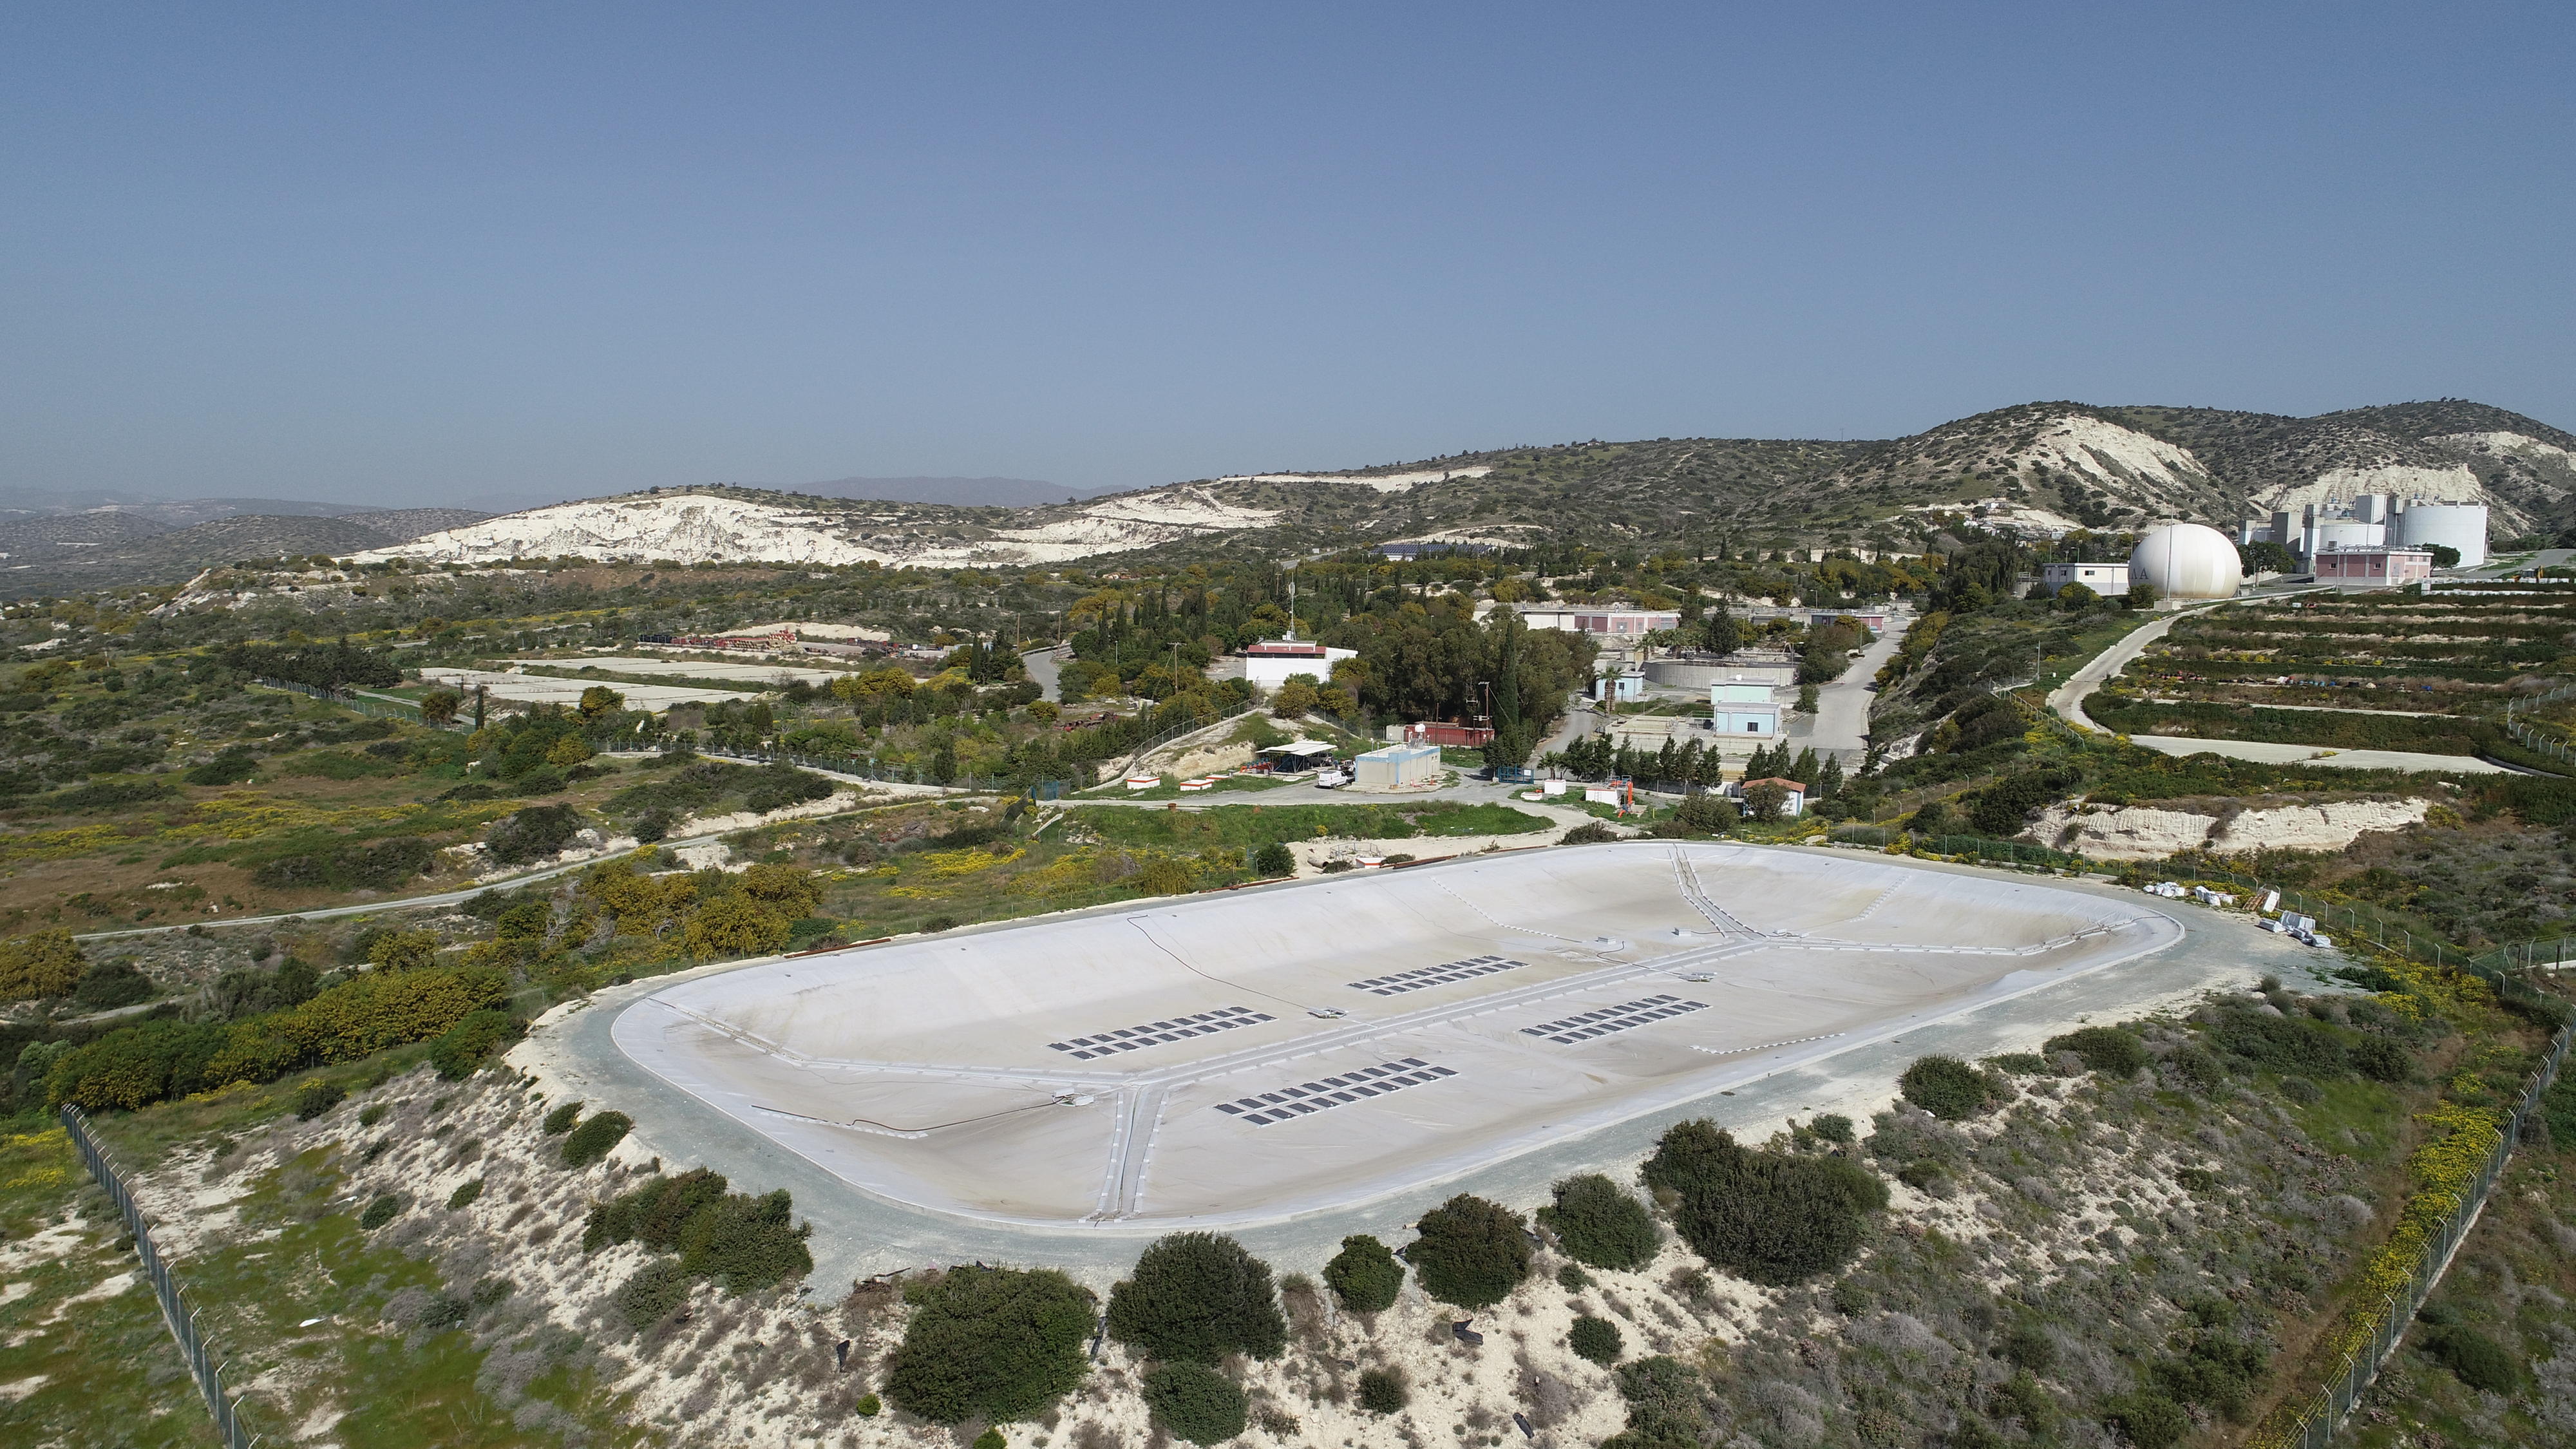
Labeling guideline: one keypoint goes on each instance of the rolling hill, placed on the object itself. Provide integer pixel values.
(2040, 466)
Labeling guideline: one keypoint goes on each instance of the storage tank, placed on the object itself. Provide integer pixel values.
(2454, 525)
(2187, 561)
(2342, 533)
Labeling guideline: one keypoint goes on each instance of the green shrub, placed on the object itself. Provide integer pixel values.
(2103, 1048)
(1589, 833)
(1384, 1391)
(380, 1212)
(1195, 1402)
(462, 1048)
(991, 1439)
(1947, 1087)
(1663, 1397)
(655, 1213)
(1600, 1226)
(2019, 1064)
(111, 984)
(538, 830)
(991, 1343)
(2021, 1397)
(1196, 1297)
(465, 1195)
(317, 1097)
(1775, 1218)
(653, 1294)
(229, 768)
(1596, 1340)
(2029, 1346)
(2149, 1421)
(2380, 1059)
(351, 866)
(745, 1243)
(2558, 1108)
(870, 1406)
(2279, 1043)
(39, 965)
(2479, 1361)
(1365, 1275)
(560, 1120)
(2216, 1370)
(1833, 1127)
(136, 1066)
(1471, 1252)
(592, 1140)
(371, 1114)
(1274, 860)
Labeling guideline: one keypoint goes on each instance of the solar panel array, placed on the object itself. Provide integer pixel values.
(1440, 975)
(1307, 1098)
(1613, 1018)
(1154, 1033)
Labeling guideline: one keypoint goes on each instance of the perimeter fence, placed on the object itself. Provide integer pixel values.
(2324, 1416)
(174, 1304)
(366, 704)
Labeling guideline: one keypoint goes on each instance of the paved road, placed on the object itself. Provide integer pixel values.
(1840, 724)
(857, 1234)
(2067, 700)
(2267, 753)
(1043, 665)
(2325, 708)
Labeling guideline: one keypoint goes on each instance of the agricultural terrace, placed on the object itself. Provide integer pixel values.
(2427, 672)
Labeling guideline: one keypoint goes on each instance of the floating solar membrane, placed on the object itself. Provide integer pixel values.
(1440, 975)
(1307, 1098)
(1608, 1019)
(1155, 1033)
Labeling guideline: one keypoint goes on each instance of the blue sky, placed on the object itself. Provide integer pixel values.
(409, 255)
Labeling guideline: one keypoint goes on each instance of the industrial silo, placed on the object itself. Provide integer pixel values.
(2454, 525)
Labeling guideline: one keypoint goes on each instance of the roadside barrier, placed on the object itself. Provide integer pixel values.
(174, 1304)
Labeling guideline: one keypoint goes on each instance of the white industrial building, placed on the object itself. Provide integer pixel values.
(1268, 663)
(2375, 520)
(1743, 711)
(2101, 578)
(1397, 767)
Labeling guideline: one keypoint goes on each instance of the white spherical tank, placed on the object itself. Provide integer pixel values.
(2454, 525)
(2187, 561)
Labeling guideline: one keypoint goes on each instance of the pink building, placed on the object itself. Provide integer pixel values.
(2386, 566)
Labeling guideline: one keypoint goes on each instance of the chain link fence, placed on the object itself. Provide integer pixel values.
(174, 1303)
(2323, 1418)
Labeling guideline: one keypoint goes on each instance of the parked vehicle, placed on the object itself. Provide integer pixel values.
(1332, 777)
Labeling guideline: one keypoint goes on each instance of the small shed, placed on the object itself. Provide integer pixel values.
(1396, 767)
(1296, 758)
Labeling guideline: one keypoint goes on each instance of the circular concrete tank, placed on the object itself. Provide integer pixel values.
(2187, 561)
(2454, 525)
(1701, 673)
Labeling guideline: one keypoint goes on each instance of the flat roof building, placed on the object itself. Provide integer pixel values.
(2386, 566)
(1397, 767)
(2101, 578)
(1268, 662)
